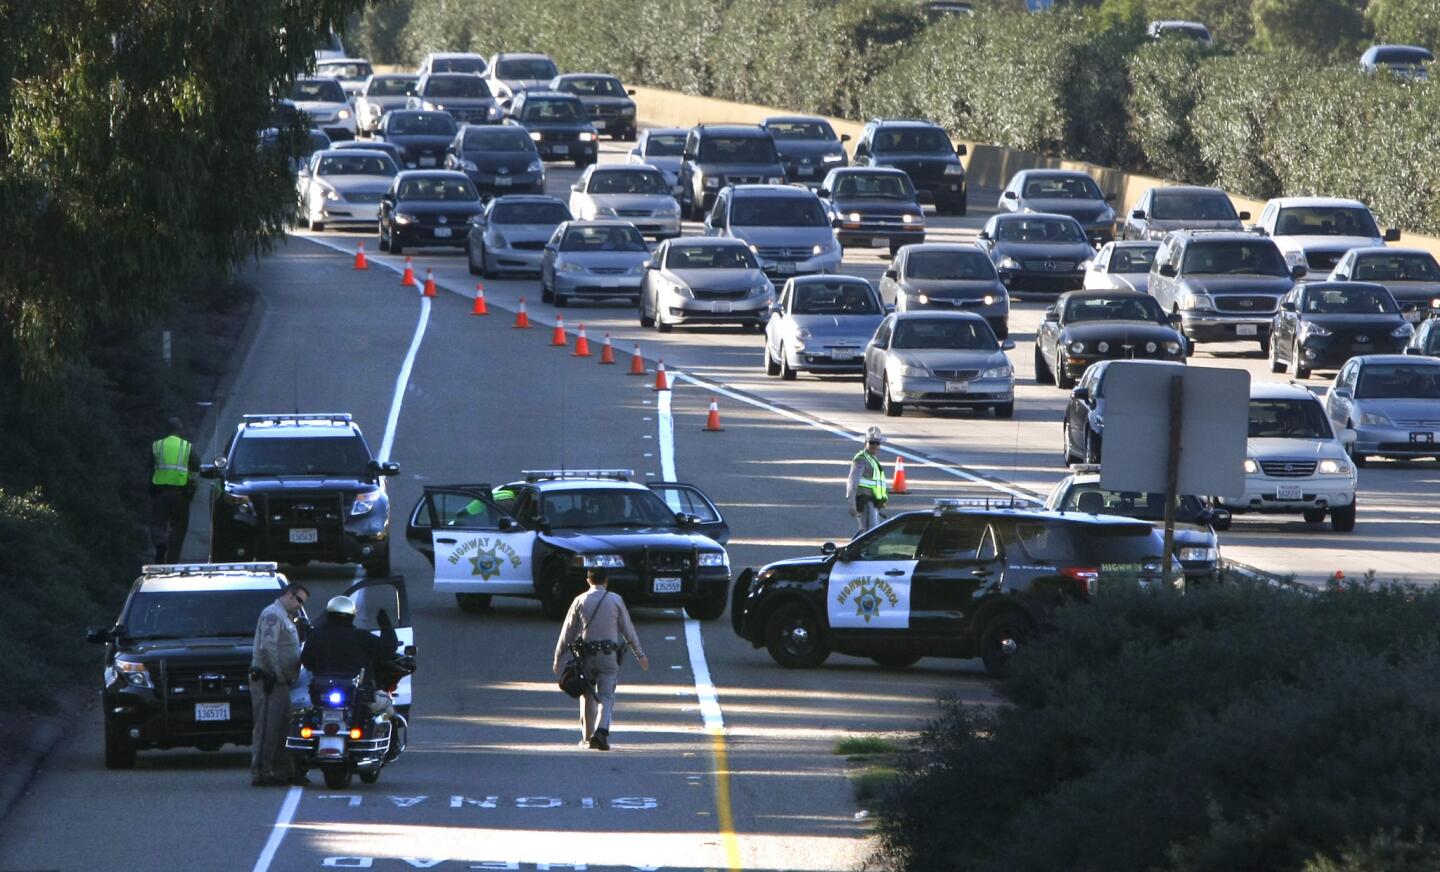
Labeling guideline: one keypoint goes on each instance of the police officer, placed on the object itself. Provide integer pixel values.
(598, 620)
(173, 470)
(476, 507)
(274, 669)
(338, 647)
(865, 486)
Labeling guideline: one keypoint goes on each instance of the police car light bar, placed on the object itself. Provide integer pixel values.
(1008, 501)
(281, 418)
(1084, 469)
(533, 475)
(203, 568)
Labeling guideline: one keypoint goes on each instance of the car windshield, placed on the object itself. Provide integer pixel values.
(1061, 187)
(1240, 258)
(606, 507)
(185, 614)
(390, 86)
(738, 149)
(297, 455)
(1380, 381)
(357, 165)
(1288, 419)
(526, 68)
(1326, 221)
(892, 186)
(1133, 259)
(317, 91)
(1121, 307)
(1349, 301)
(610, 237)
(446, 189)
(427, 124)
(943, 265)
(497, 139)
(1400, 54)
(1039, 230)
(801, 130)
(593, 86)
(833, 298)
(529, 213)
(473, 66)
(946, 334)
(551, 110)
(627, 182)
(665, 145)
(1396, 268)
(911, 140)
(1092, 499)
(1204, 206)
(462, 86)
(710, 257)
(777, 212)
(348, 71)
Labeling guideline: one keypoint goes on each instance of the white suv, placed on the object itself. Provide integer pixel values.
(1315, 232)
(1295, 462)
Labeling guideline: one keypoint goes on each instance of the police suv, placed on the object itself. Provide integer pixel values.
(970, 578)
(661, 542)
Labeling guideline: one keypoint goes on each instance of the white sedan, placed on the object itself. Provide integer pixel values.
(344, 186)
(1121, 266)
(637, 193)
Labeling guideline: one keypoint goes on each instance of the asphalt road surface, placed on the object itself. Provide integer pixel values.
(722, 759)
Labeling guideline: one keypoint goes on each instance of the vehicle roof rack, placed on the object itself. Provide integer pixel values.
(298, 418)
(1084, 469)
(989, 501)
(534, 475)
(154, 569)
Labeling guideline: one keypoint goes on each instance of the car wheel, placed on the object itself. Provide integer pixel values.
(561, 301)
(1002, 637)
(1043, 376)
(872, 402)
(1276, 365)
(1005, 410)
(1065, 435)
(1357, 459)
(554, 598)
(893, 408)
(338, 775)
(473, 603)
(787, 373)
(896, 659)
(1313, 516)
(546, 294)
(470, 264)
(795, 638)
(771, 366)
(1342, 520)
(119, 752)
(1299, 369)
(395, 246)
(1092, 446)
(1265, 345)
(661, 324)
(706, 609)
(1063, 379)
(645, 320)
(370, 777)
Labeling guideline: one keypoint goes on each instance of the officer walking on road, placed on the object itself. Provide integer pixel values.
(597, 621)
(173, 470)
(865, 486)
(274, 669)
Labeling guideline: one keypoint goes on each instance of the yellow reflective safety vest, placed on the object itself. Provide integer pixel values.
(172, 462)
(875, 481)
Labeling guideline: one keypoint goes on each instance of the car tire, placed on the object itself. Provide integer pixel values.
(662, 325)
(896, 659)
(546, 294)
(645, 320)
(1299, 369)
(317, 226)
(119, 752)
(1005, 410)
(1063, 379)
(553, 599)
(470, 263)
(561, 301)
(786, 372)
(1043, 375)
(1276, 365)
(1265, 345)
(872, 401)
(795, 638)
(1313, 516)
(893, 409)
(370, 777)
(383, 244)
(1342, 519)
(706, 609)
(473, 603)
(338, 775)
(771, 366)
(1093, 446)
(1003, 635)
(377, 568)
(1065, 443)
(395, 247)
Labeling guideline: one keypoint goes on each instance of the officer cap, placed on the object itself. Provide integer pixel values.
(341, 605)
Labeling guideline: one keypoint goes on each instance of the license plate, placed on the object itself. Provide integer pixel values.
(1423, 438)
(1247, 330)
(667, 585)
(442, 232)
(560, 149)
(304, 536)
(599, 125)
(785, 268)
(502, 181)
(721, 308)
(957, 387)
(842, 354)
(609, 283)
(879, 242)
(1289, 492)
(330, 746)
(212, 711)
(805, 171)
(427, 161)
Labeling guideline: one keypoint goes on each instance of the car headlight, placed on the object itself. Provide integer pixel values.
(853, 217)
(922, 299)
(343, 114)
(1001, 371)
(536, 166)
(713, 558)
(1008, 262)
(683, 291)
(910, 219)
(603, 561)
(1404, 331)
(1251, 467)
(988, 299)
(365, 501)
(331, 194)
(240, 502)
(432, 107)
(627, 110)
(833, 158)
(712, 183)
(775, 180)
(954, 170)
(1375, 419)
(469, 166)
(1199, 555)
(760, 290)
(1197, 302)
(1333, 467)
(907, 371)
(1171, 348)
(586, 136)
(1077, 347)
(1151, 348)
(405, 218)
(1102, 346)
(498, 240)
(819, 248)
(535, 135)
(803, 334)
(571, 267)
(1310, 328)
(135, 674)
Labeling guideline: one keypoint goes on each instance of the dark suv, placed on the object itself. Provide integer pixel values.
(923, 151)
(177, 661)
(719, 155)
(961, 581)
(298, 489)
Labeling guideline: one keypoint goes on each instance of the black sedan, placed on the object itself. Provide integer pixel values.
(498, 160)
(1321, 325)
(421, 136)
(873, 207)
(1037, 252)
(559, 124)
(1088, 326)
(427, 208)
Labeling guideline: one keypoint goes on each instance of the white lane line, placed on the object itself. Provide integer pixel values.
(704, 687)
(667, 436)
(277, 833)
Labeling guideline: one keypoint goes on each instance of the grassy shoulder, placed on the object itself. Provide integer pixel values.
(875, 765)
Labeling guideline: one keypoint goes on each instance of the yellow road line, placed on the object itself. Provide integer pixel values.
(725, 814)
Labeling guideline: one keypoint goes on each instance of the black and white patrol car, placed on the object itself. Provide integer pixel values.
(961, 581)
(661, 542)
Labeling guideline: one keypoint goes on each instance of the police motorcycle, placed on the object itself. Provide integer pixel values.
(336, 726)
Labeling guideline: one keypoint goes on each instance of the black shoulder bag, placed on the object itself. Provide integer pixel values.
(573, 679)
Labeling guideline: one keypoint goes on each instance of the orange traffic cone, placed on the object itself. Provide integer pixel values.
(408, 279)
(429, 282)
(557, 338)
(479, 301)
(522, 320)
(712, 424)
(582, 345)
(360, 261)
(637, 363)
(607, 354)
(897, 485)
(662, 381)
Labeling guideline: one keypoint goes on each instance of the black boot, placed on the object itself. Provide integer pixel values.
(601, 740)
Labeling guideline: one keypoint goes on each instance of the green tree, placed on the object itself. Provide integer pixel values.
(1323, 28)
(1414, 22)
(1229, 21)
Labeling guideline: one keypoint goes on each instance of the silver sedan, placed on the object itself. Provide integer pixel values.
(635, 193)
(1392, 402)
(821, 325)
(1121, 266)
(704, 281)
(593, 260)
(344, 186)
(512, 235)
(938, 360)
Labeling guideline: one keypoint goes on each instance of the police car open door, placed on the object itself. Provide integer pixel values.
(690, 500)
(371, 595)
(869, 586)
(477, 548)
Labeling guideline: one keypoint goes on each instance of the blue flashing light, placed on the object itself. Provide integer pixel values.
(336, 697)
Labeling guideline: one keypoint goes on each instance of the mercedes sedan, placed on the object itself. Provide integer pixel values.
(821, 324)
(704, 281)
(938, 360)
(1038, 253)
(1062, 192)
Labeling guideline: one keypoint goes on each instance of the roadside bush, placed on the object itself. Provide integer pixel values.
(1162, 99)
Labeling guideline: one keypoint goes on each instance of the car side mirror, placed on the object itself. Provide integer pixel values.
(961, 150)
(1137, 214)
(508, 525)
(1081, 394)
(837, 222)
(823, 193)
(983, 235)
(1392, 234)
(98, 635)
(630, 92)
(1010, 195)
(1244, 216)
(1345, 277)
(209, 470)
(1299, 271)
(650, 264)
(889, 308)
(1287, 305)
(543, 522)
(844, 137)
(1342, 393)
(891, 274)
(828, 548)
(1174, 319)
(575, 187)
(1219, 518)
(1167, 270)
(1007, 345)
(1413, 349)
(387, 197)
(1052, 315)
(1348, 437)
(1006, 276)
(686, 521)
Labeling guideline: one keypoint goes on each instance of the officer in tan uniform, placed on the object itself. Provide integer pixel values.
(274, 669)
(599, 621)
